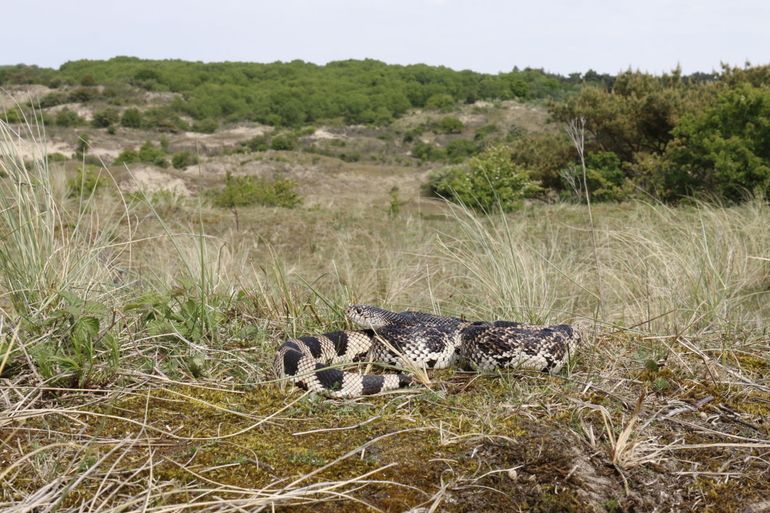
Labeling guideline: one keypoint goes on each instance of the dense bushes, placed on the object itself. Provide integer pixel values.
(183, 159)
(293, 93)
(674, 137)
(722, 151)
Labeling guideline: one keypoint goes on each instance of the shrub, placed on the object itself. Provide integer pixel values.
(257, 143)
(723, 151)
(164, 120)
(426, 151)
(151, 154)
(148, 153)
(283, 142)
(82, 95)
(241, 191)
(489, 181)
(52, 100)
(605, 177)
(12, 116)
(483, 132)
(105, 118)
(67, 117)
(440, 101)
(206, 126)
(131, 118)
(544, 155)
(127, 156)
(183, 159)
(86, 182)
(84, 142)
(449, 125)
(460, 149)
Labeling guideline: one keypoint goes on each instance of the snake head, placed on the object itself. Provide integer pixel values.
(370, 316)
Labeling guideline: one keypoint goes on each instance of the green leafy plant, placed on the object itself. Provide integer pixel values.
(131, 118)
(87, 181)
(488, 182)
(105, 118)
(184, 159)
(148, 153)
(449, 125)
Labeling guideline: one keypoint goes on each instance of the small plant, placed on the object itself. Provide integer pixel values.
(76, 345)
(283, 142)
(148, 153)
(86, 182)
(257, 143)
(183, 159)
(68, 117)
(105, 118)
(449, 125)
(395, 202)
(131, 118)
(81, 150)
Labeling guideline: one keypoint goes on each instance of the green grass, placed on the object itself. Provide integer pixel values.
(136, 345)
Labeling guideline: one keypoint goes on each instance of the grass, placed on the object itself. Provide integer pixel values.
(135, 354)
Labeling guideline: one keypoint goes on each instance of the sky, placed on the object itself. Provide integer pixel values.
(560, 36)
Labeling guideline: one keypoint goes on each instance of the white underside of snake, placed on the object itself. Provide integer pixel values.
(417, 339)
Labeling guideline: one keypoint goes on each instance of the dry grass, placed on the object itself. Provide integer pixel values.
(665, 408)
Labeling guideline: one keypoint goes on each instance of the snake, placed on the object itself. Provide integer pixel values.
(410, 339)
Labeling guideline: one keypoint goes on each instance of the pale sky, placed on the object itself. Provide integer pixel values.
(484, 35)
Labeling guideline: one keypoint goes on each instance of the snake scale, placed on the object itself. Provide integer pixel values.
(412, 338)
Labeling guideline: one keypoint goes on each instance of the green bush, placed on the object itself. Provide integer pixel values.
(81, 150)
(131, 118)
(440, 101)
(52, 100)
(489, 181)
(12, 116)
(241, 191)
(164, 119)
(105, 118)
(605, 177)
(183, 159)
(283, 142)
(148, 153)
(485, 131)
(449, 125)
(151, 154)
(428, 152)
(83, 94)
(544, 155)
(722, 151)
(460, 149)
(67, 117)
(86, 182)
(257, 143)
(206, 126)
(127, 156)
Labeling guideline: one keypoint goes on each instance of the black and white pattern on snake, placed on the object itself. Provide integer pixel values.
(423, 340)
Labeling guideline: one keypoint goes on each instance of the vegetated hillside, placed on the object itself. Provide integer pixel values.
(670, 137)
(287, 94)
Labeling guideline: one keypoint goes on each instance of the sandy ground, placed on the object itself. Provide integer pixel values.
(149, 180)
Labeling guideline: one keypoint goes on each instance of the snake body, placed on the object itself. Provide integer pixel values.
(419, 339)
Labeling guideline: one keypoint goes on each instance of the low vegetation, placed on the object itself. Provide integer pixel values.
(137, 334)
